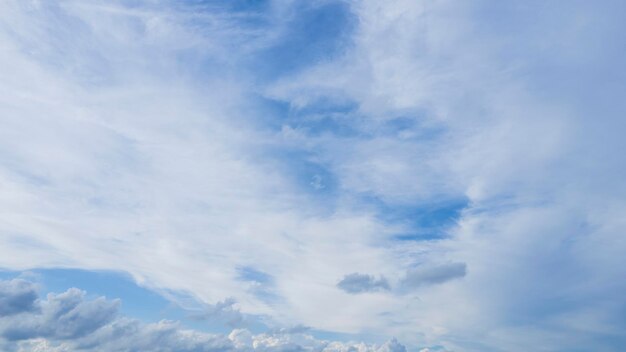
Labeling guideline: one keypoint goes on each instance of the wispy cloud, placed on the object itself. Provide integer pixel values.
(261, 152)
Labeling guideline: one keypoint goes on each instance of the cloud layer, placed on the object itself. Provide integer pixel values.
(69, 321)
(256, 154)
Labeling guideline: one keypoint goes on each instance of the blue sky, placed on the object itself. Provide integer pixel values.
(316, 175)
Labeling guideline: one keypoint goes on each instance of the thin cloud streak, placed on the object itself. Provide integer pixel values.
(166, 141)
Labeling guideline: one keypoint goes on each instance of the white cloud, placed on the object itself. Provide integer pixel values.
(68, 321)
(112, 159)
(130, 140)
(536, 158)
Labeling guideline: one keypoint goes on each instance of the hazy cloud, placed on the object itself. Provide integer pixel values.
(433, 274)
(359, 283)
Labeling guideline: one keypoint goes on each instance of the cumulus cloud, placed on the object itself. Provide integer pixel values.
(69, 321)
(359, 283)
(17, 296)
(60, 316)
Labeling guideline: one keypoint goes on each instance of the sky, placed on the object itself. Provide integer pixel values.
(322, 175)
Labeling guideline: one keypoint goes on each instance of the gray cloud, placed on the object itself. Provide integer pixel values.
(430, 275)
(69, 321)
(359, 283)
(17, 296)
(61, 316)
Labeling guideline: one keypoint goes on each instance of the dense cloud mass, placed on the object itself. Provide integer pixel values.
(16, 296)
(69, 322)
(278, 153)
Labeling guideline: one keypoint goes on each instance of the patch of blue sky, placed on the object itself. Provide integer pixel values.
(315, 32)
(428, 221)
(323, 115)
(332, 115)
(415, 126)
(262, 284)
(270, 114)
(248, 273)
(401, 123)
(260, 42)
(347, 123)
(309, 174)
(336, 125)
